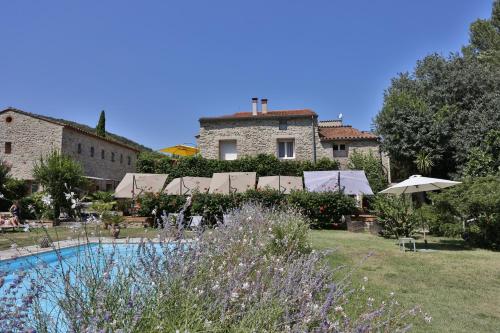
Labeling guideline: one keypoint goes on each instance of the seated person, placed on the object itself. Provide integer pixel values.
(15, 210)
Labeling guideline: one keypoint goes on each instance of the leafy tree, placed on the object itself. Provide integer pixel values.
(4, 173)
(424, 163)
(446, 106)
(372, 166)
(58, 174)
(101, 125)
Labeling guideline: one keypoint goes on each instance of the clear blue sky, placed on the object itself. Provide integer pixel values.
(157, 66)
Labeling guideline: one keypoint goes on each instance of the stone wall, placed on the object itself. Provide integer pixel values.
(31, 138)
(96, 166)
(325, 149)
(255, 136)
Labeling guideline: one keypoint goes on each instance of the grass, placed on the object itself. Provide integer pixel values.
(458, 286)
(22, 238)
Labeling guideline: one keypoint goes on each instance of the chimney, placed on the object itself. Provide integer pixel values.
(264, 105)
(255, 100)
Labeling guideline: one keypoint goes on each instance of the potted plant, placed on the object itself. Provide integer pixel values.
(114, 225)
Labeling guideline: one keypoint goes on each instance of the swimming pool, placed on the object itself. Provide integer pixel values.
(49, 272)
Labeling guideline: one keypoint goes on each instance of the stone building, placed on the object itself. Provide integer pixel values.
(287, 134)
(25, 137)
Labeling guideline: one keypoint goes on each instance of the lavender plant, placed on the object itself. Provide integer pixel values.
(257, 273)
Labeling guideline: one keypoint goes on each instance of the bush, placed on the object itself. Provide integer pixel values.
(475, 205)
(396, 216)
(324, 210)
(197, 166)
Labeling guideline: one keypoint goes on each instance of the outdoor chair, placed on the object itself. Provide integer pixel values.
(195, 222)
(406, 240)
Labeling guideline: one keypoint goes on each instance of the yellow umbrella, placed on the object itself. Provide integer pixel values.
(181, 150)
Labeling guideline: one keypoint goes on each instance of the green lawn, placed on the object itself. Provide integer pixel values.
(457, 286)
(22, 238)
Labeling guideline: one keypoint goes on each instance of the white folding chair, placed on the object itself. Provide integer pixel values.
(195, 222)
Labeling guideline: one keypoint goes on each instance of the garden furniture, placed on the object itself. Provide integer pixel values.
(406, 240)
(195, 222)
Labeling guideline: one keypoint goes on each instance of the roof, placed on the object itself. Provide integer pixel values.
(270, 114)
(344, 133)
(84, 129)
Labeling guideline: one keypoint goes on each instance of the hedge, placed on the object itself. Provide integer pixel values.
(197, 166)
(323, 209)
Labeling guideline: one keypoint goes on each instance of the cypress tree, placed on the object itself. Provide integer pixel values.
(101, 125)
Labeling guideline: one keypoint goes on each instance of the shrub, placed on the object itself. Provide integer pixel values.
(472, 207)
(197, 166)
(58, 173)
(324, 210)
(396, 216)
(235, 278)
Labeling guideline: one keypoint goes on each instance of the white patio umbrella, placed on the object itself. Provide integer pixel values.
(284, 184)
(136, 184)
(417, 183)
(188, 185)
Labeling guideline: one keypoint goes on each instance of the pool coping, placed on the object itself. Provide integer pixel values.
(24, 251)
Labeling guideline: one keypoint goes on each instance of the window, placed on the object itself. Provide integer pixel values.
(112, 157)
(121, 158)
(283, 126)
(129, 160)
(339, 150)
(103, 155)
(8, 147)
(286, 149)
(227, 150)
(8, 119)
(91, 151)
(79, 149)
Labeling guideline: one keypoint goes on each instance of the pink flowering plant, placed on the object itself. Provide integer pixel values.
(256, 273)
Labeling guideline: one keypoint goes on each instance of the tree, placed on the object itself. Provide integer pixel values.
(4, 174)
(372, 167)
(424, 163)
(446, 106)
(101, 125)
(58, 174)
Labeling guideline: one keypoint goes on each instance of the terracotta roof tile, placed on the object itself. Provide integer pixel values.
(344, 133)
(269, 114)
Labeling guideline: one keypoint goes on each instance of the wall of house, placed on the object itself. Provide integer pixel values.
(325, 149)
(31, 138)
(255, 136)
(96, 166)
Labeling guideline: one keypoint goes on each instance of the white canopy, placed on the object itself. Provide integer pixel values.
(284, 184)
(136, 184)
(417, 183)
(188, 185)
(232, 182)
(351, 182)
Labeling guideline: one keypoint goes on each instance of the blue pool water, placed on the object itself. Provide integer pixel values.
(49, 265)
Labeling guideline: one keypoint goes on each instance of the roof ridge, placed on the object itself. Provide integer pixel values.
(69, 124)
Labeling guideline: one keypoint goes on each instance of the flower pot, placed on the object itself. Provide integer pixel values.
(115, 231)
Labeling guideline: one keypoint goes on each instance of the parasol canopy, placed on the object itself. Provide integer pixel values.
(188, 185)
(284, 184)
(232, 182)
(351, 182)
(181, 150)
(417, 183)
(136, 184)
